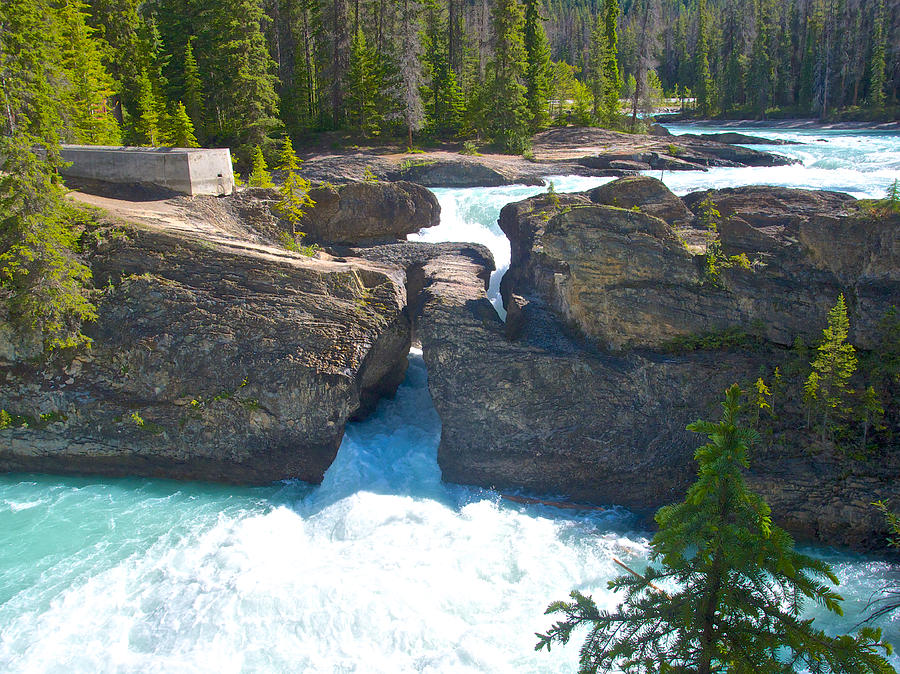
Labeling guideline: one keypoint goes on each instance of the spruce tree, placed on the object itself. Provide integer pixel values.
(610, 64)
(538, 66)
(87, 98)
(182, 128)
(259, 174)
(361, 87)
(735, 587)
(877, 63)
(193, 87)
(295, 199)
(507, 120)
(411, 76)
(43, 284)
(703, 83)
(597, 74)
(761, 68)
(147, 123)
(444, 104)
(237, 71)
(834, 364)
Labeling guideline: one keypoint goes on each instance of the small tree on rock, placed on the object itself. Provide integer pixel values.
(833, 365)
(259, 174)
(738, 586)
(295, 199)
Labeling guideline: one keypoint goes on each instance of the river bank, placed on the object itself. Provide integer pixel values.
(581, 151)
(801, 123)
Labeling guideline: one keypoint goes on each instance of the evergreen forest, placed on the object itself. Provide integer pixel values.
(245, 73)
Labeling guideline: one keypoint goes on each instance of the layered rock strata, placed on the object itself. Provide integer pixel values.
(215, 357)
(559, 400)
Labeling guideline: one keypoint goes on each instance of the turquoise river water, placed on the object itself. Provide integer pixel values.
(383, 567)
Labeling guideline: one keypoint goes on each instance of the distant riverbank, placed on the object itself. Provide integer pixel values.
(782, 123)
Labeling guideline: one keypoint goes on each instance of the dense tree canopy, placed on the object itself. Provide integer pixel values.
(246, 73)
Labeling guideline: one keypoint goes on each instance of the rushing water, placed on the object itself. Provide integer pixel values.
(382, 568)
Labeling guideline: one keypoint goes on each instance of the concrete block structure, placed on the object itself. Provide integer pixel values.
(189, 171)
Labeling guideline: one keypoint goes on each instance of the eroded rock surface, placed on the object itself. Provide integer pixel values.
(369, 211)
(542, 403)
(214, 358)
(619, 270)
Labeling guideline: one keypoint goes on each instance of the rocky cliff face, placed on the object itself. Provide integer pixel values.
(558, 400)
(215, 357)
(625, 264)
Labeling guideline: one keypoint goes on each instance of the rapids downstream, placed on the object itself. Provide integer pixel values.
(382, 568)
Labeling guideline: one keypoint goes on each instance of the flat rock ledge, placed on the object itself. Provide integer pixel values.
(562, 151)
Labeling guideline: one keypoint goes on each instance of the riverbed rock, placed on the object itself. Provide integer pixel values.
(464, 172)
(734, 138)
(544, 403)
(624, 276)
(369, 212)
(212, 359)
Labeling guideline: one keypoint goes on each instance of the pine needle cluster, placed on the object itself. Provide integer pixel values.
(725, 590)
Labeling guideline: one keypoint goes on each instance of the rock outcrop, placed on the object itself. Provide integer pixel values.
(615, 266)
(369, 212)
(214, 358)
(542, 402)
(559, 151)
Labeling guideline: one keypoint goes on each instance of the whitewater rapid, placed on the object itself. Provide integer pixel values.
(382, 568)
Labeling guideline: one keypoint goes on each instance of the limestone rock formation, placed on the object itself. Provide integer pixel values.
(541, 403)
(213, 359)
(369, 211)
(623, 276)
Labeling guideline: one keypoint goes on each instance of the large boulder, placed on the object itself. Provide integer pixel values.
(540, 412)
(369, 211)
(646, 194)
(210, 361)
(624, 276)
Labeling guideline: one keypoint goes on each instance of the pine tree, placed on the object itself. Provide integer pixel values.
(507, 121)
(877, 63)
(182, 128)
(193, 86)
(361, 87)
(738, 586)
(834, 364)
(259, 174)
(538, 66)
(703, 83)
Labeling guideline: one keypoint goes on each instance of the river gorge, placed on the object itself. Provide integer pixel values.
(382, 558)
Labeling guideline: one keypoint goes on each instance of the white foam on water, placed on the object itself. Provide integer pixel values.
(382, 568)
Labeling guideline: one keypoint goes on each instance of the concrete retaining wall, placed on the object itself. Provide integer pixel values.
(188, 171)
